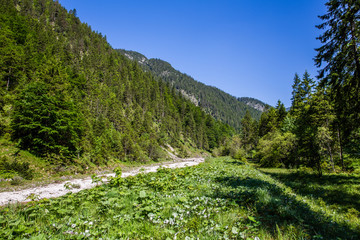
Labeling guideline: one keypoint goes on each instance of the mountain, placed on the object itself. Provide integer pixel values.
(212, 100)
(68, 97)
(254, 103)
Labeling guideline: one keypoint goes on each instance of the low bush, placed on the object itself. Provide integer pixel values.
(15, 167)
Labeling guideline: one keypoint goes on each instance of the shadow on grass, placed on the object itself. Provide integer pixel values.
(333, 189)
(235, 162)
(275, 208)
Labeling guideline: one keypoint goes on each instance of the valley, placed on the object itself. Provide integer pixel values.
(98, 142)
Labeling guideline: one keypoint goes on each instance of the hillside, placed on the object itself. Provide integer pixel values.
(214, 101)
(67, 97)
(254, 103)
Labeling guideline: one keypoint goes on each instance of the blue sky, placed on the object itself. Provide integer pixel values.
(246, 48)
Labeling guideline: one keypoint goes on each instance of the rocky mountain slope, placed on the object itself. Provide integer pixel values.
(212, 100)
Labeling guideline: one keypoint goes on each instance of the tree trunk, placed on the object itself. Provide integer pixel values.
(341, 149)
(356, 54)
(357, 62)
(7, 84)
(318, 160)
(8, 81)
(331, 157)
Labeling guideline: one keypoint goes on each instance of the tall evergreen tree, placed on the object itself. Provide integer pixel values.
(281, 112)
(295, 99)
(248, 131)
(45, 122)
(339, 59)
(268, 122)
(306, 87)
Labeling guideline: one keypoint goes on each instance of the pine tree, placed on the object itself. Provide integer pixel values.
(46, 123)
(323, 117)
(11, 61)
(281, 112)
(340, 44)
(248, 131)
(268, 122)
(339, 59)
(306, 87)
(295, 99)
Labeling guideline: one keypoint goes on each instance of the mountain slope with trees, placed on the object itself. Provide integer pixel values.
(255, 103)
(68, 97)
(214, 101)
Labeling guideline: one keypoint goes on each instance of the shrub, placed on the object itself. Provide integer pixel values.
(275, 149)
(7, 174)
(118, 171)
(17, 180)
(21, 168)
(240, 154)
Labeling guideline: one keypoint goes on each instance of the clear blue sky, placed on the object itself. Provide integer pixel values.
(246, 48)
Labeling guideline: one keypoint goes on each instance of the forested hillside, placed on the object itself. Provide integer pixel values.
(68, 97)
(214, 101)
(254, 103)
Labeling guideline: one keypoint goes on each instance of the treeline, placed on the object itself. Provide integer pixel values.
(322, 128)
(221, 105)
(310, 134)
(67, 96)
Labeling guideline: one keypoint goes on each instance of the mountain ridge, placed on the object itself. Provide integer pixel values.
(212, 100)
(254, 103)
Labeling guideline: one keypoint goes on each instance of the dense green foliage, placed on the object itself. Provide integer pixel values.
(339, 60)
(309, 135)
(219, 199)
(219, 104)
(11, 169)
(44, 122)
(65, 94)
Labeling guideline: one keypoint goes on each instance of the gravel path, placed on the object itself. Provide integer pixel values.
(58, 189)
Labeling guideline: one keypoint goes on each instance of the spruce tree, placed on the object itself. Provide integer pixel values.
(295, 99)
(46, 123)
(281, 112)
(248, 131)
(339, 59)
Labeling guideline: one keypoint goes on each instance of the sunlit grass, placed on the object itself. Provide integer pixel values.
(219, 199)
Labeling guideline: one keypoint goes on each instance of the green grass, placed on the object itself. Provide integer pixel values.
(339, 192)
(219, 199)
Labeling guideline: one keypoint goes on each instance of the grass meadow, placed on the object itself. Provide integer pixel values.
(219, 199)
